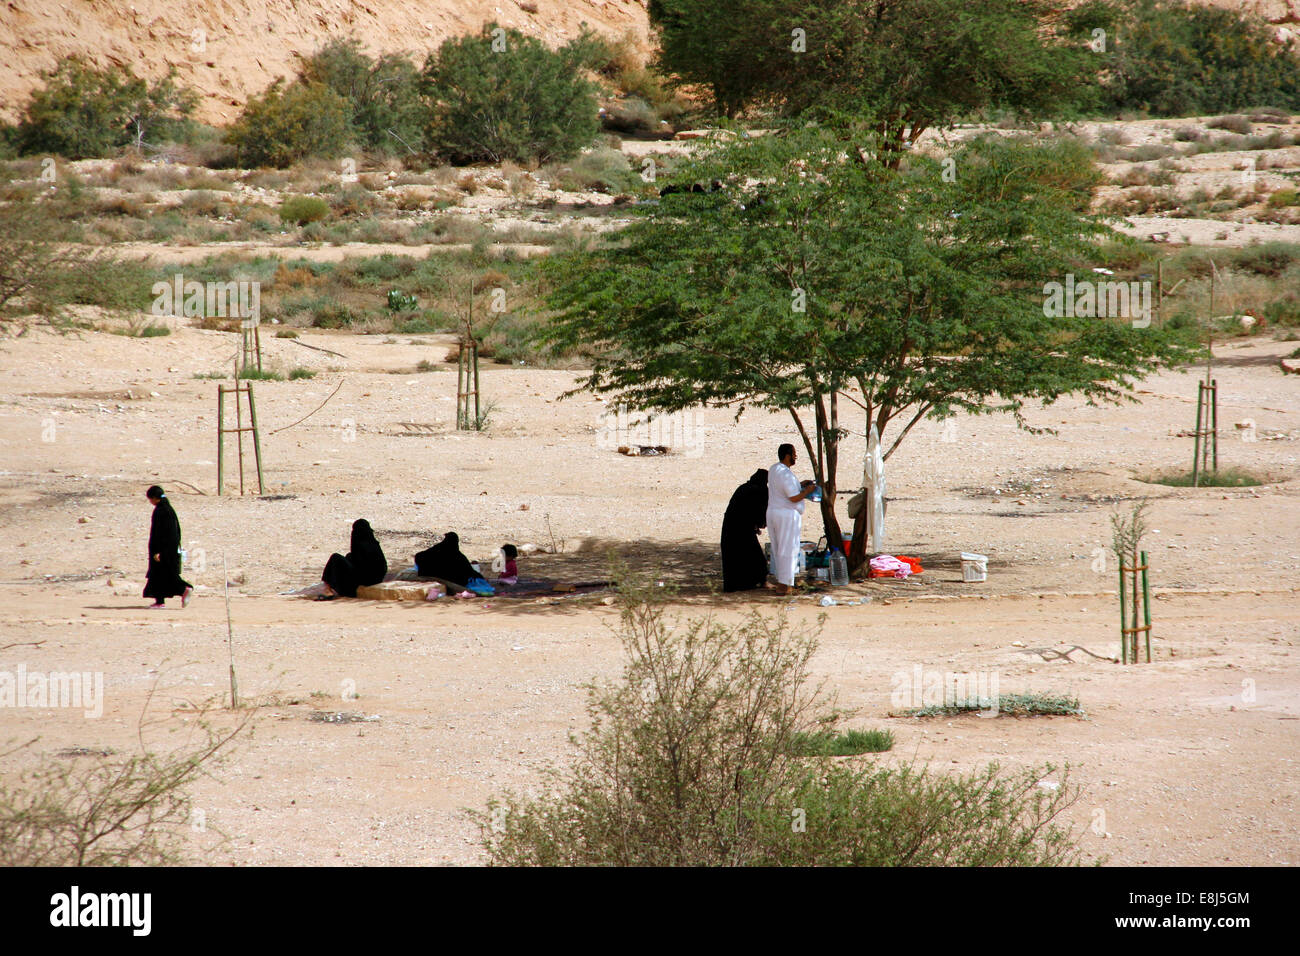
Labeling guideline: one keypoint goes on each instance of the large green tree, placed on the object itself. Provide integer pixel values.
(911, 64)
(823, 281)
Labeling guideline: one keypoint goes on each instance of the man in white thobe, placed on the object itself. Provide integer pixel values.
(785, 497)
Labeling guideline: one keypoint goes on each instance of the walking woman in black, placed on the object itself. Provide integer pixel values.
(163, 579)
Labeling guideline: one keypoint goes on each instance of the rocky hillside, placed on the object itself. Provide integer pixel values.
(229, 49)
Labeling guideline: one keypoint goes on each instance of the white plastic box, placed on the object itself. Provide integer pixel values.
(974, 567)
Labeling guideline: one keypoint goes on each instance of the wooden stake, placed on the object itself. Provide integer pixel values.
(230, 639)
(221, 437)
(1146, 606)
(1123, 621)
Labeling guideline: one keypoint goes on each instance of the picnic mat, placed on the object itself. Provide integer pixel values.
(407, 585)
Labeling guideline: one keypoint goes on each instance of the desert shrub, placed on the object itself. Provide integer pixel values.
(376, 269)
(101, 809)
(41, 269)
(353, 202)
(382, 95)
(1267, 258)
(1284, 197)
(334, 316)
(1283, 312)
(601, 170)
(1233, 124)
(285, 124)
(1189, 134)
(827, 743)
(1174, 58)
(634, 117)
(303, 209)
(874, 816)
(527, 103)
(688, 762)
(83, 112)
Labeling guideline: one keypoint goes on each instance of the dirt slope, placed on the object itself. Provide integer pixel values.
(230, 49)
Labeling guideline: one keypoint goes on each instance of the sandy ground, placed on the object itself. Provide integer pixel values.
(1189, 760)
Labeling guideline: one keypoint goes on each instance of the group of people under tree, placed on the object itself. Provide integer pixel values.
(773, 499)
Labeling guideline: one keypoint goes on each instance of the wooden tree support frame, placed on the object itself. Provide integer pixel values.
(250, 346)
(467, 386)
(1129, 629)
(1205, 454)
(245, 388)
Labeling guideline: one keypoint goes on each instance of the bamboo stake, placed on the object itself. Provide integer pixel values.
(1133, 627)
(1146, 605)
(478, 417)
(1123, 622)
(230, 639)
(1214, 423)
(1196, 448)
(239, 436)
(221, 437)
(257, 442)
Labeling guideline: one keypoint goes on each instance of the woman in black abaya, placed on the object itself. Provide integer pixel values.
(743, 565)
(445, 561)
(163, 579)
(365, 563)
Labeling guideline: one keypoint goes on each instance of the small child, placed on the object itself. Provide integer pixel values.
(510, 570)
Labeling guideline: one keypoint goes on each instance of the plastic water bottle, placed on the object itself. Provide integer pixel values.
(815, 494)
(839, 568)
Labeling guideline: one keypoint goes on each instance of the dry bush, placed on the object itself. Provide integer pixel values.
(690, 760)
(114, 811)
(292, 278)
(1235, 123)
(491, 280)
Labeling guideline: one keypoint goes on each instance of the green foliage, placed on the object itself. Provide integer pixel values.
(299, 372)
(1009, 705)
(874, 816)
(525, 103)
(285, 124)
(911, 64)
(301, 210)
(827, 743)
(260, 374)
(689, 761)
(382, 95)
(399, 301)
(1223, 478)
(603, 170)
(84, 112)
(817, 267)
(1175, 58)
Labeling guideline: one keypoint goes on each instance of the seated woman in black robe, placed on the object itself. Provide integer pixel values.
(364, 564)
(743, 565)
(163, 579)
(445, 561)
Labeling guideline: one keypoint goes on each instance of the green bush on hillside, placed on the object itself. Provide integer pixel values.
(85, 112)
(502, 95)
(285, 124)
